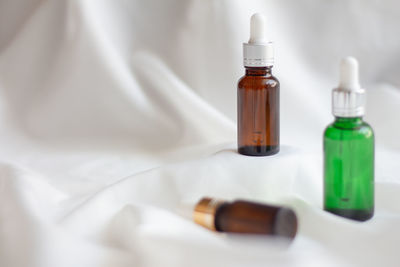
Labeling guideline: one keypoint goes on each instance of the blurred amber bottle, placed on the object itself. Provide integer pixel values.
(258, 95)
(245, 217)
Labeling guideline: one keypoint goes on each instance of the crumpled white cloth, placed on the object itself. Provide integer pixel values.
(116, 116)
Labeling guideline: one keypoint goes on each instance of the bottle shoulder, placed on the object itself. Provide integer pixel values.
(367, 126)
(362, 130)
(248, 82)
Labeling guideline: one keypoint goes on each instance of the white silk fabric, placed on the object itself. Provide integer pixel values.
(117, 116)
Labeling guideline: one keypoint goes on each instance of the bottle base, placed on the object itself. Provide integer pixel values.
(358, 215)
(258, 150)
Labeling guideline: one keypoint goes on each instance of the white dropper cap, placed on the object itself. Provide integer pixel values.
(257, 29)
(348, 100)
(349, 74)
(258, 52)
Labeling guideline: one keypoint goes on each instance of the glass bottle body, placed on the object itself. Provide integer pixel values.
(258, 112)
(254, 218)
(349, 169)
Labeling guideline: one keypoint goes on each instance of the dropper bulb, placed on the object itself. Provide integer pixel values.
(349, 74)
(257, 29)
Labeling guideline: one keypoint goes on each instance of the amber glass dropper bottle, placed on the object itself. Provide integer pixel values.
(245, 217)
(258, 95)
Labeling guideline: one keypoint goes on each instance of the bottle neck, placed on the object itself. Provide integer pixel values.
(259, 71)
(348, 123)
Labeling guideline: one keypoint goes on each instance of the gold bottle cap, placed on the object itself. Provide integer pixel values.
(204, 212)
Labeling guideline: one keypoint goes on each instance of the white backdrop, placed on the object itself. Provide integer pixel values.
(116, 116)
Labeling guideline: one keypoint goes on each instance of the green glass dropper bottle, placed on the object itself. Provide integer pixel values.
(349, 150)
